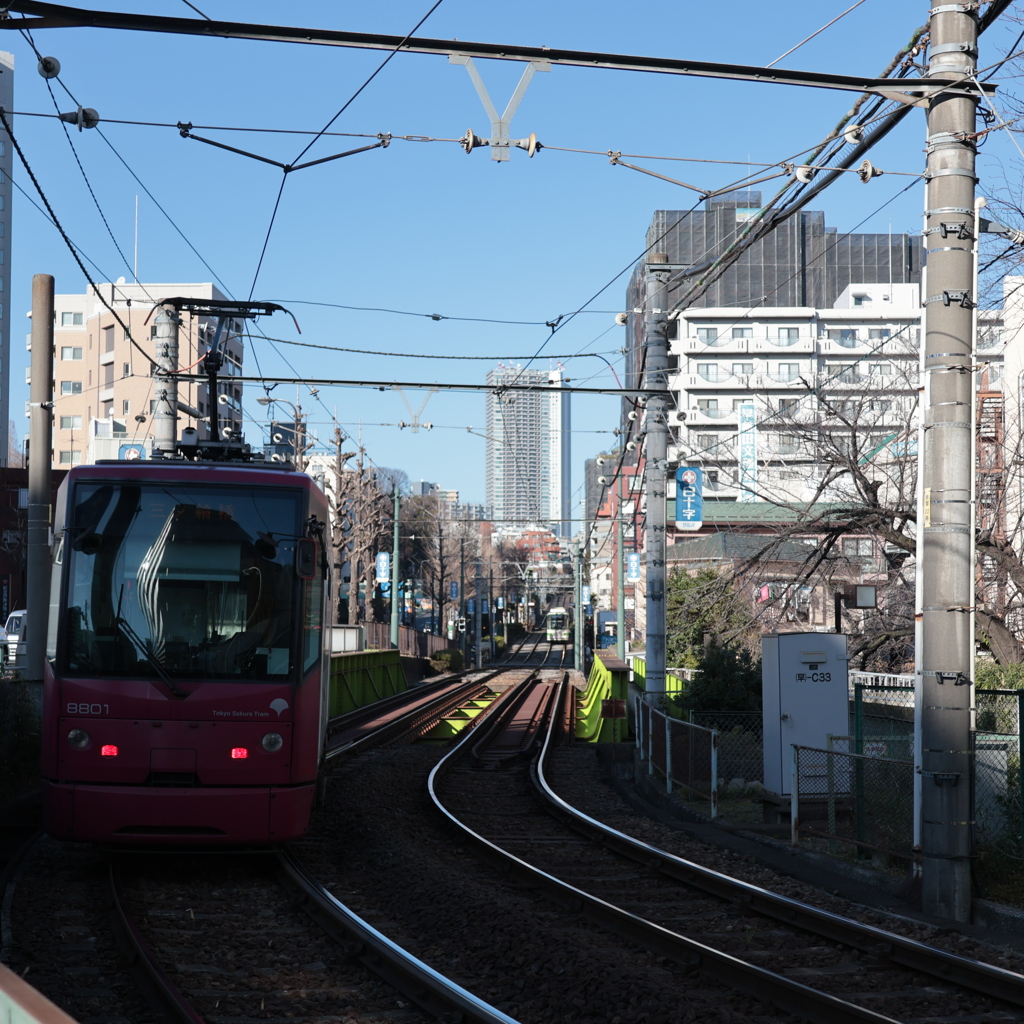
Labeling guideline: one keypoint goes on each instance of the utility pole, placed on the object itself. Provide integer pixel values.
(578, 616)
(37, 604)
(945, 660)
(462, 597)
(395, 603)
(478, 615)
(492, 610)
(620, 583)
(656, 361)
(165, 416)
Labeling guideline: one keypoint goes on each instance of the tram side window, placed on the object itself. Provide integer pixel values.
(312, 626)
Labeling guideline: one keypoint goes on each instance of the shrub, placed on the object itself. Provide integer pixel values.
(448, 660)
(990, 676)
(729, 680)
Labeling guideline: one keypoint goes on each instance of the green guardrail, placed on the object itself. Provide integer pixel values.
(609, 679)
(363, 677)
(674, 685)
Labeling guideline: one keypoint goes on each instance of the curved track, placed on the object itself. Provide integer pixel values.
(815, 964)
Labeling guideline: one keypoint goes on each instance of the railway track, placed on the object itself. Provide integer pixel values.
(180, 937)
(814, 964)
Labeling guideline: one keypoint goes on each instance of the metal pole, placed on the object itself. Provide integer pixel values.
(620, 585)
(478, 613)
(165, 415)
(492, 612)
(462, 596)
(656, 347)
(41, 434)
(944, 534)
(395, 602)
(577, 643)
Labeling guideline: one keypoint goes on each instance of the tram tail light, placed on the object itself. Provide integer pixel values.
(239, 752)
(108, 750)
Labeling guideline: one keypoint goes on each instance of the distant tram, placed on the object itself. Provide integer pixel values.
(558, 625)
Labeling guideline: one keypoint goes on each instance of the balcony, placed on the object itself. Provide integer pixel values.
(695, 346)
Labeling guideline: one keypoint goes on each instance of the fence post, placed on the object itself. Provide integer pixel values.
(639, 716)
(650, 738)
(668, 754)
(1020, 759)
(833, 847)
(858, 767)
(714, 773)
(794, 799)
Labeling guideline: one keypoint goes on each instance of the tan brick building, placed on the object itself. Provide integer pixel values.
(104, 390)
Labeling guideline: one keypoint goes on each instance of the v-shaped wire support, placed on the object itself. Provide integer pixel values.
(499, 140)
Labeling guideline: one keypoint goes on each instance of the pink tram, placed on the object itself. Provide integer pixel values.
(185, 696)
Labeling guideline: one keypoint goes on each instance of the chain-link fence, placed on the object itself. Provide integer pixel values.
(20, 715)
(740, 750)
(684, 755)
(882, 718)
(998, 808)
(853, 800)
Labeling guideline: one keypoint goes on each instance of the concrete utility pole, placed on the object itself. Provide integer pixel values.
(478, 613)
(462, 597)
(656, 356)
(165, 416)
(395, 602)
(579, 616)
(944, 658)
(620, 582)
(37, 604)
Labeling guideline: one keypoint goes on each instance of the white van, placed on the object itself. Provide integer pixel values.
(15, 626)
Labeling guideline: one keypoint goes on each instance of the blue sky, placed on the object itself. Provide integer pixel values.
(421, 226)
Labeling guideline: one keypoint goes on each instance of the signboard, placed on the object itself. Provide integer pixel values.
(689, 498)
(747, 451)
(130, 452)
(483, 607)
(585, 596)
(613, 707)
(633, 567)
(470, 606)
(453, 590)
(501, 603)
(383, 567)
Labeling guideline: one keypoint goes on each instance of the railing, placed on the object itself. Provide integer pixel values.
(684, 755)
(609, 680)
(854, 800)
(363, 677)
(411, 642)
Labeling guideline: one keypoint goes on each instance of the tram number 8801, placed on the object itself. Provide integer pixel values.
(88, 709)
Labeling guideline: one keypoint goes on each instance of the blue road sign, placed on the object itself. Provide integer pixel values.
(689, 498)
(453, 590)
(383, 567)
(633, 567)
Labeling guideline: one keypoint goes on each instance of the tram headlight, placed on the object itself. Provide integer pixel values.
(272, 742)
(78, 738)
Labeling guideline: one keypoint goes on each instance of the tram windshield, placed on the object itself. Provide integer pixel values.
(180, 581)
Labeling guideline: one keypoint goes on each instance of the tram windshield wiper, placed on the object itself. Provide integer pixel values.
(122, 624)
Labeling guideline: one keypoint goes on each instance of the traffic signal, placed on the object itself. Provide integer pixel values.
(462, 623)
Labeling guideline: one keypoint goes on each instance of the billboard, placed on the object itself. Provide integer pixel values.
(689, 498)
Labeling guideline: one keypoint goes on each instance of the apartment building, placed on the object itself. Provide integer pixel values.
(105, 391)
(769, 399)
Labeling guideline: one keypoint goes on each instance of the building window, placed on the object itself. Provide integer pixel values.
(71, 423)
(787, 372)
(152, 332)
(880, 369)
(788, 406)
(126, 407)
(707, 404)
(707, 442)
(787, 444)
(71, 320)
(709, 371)
(858, 547)
(71, 352)
(879, 333)
(127, 370)
(707, 334)
(862, 300)
(70, 387)
(711, 476)
(743, 332)
(742, 369)
(152, 406)
(671, 331)
(71, 458)
(789, 334)
(879, 405)
(847, 337)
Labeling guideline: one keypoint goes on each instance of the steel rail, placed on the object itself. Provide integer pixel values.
(422, 983)
(983, 978)
(58, 16)
(162, 990)
(789, 995)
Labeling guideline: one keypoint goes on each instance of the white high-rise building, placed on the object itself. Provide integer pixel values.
(529, 449)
